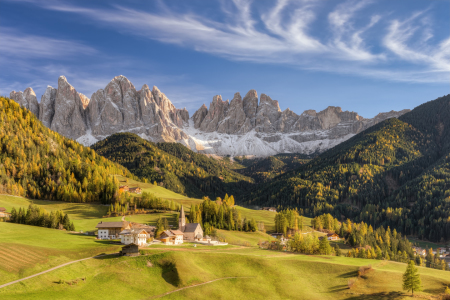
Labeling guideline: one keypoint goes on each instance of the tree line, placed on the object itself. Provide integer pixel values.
(37, 216)
(220, 214)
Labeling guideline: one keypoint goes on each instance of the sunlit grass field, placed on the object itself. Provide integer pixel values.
(260, 274)
(26, 250)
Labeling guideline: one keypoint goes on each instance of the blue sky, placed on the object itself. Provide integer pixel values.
(365, 56)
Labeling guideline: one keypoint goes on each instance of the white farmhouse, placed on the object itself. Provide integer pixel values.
(172, 237)
(134, 236)
(111, 230)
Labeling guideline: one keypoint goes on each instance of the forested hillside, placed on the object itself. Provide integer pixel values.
(39, 163)
(176, 167)
(395, 173)
(267, 168)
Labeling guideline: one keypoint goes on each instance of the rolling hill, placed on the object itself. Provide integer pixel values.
(395, 173)
(42, 164)
(176, 167)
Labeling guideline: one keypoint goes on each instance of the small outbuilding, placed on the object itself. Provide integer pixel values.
(136, 190)
(130, 250)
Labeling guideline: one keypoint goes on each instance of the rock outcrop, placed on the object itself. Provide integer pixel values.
(26, 99)
(69, 117)
(242, 126)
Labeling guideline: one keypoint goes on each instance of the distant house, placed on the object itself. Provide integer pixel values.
(3, 213)
(441, 250)
(136, 190)
(123, 188)
(172, 237)
(130, 250)
(269, 209)
(111, 230)
(333, 237)
(149, 229)
(133, 236)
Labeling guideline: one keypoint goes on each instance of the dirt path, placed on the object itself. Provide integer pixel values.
(191, 286)
(49, 270)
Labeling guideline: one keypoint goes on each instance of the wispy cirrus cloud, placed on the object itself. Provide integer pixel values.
(378, 44)
(282, 34)
(18, 44)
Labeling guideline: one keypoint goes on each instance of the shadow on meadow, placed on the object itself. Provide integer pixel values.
(377, 296)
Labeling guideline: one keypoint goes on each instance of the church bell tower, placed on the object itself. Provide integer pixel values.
(182, 220)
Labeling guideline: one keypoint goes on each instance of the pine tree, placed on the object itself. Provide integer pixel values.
(324, 246)
(411, 278)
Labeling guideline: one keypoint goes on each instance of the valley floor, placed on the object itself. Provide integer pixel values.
(231, 272)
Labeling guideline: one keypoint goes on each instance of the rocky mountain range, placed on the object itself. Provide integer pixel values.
(242, 126)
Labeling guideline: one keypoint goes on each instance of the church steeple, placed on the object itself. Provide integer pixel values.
(182, 220)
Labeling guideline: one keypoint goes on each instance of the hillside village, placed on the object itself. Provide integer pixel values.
(143, 235)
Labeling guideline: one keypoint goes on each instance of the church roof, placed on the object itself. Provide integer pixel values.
(191, 227)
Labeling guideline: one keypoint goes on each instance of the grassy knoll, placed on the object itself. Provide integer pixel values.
(85, 216)
(261, 274)
(27, 250)
(151, 219)
(158, 191)
(243, 238)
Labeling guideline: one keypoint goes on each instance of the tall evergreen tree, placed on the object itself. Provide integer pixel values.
(411, 278)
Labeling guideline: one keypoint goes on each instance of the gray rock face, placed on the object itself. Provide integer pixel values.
(27, 99)
(244, 126)
(47, 106)
(263, 129)
(199, 116)
(69, 118)
(235, 116)
(217, 112)
(118, 107)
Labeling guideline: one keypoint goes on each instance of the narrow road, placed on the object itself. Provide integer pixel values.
(49, 270)
(199, 284)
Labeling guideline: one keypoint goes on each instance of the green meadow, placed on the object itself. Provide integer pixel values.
(236, 271)
(255, 274)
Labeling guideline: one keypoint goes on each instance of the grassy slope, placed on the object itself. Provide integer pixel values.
(85, 216)
(26, 250)
(271, 275)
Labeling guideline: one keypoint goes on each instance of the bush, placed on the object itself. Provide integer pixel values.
(363, 270)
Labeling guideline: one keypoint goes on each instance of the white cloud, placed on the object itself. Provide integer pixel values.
(16, 44)
(352, 41)
(405, 41)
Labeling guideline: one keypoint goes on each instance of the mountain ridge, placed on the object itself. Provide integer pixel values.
(392, 174)
(259, 129)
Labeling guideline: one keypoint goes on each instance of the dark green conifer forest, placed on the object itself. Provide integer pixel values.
(396, 173)
(175, 166)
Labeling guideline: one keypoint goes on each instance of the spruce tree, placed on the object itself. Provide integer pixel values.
(411, 278)
(324, 246)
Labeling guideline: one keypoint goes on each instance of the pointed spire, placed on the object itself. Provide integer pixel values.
(182, 212)
(182, 220)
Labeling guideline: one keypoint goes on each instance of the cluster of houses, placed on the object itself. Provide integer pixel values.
(441, 252)
(138, 234)
(126, 188)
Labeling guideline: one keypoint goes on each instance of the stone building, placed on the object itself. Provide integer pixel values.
(191, 231)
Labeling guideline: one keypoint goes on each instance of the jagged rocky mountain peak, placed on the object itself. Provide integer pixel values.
(243, 126)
